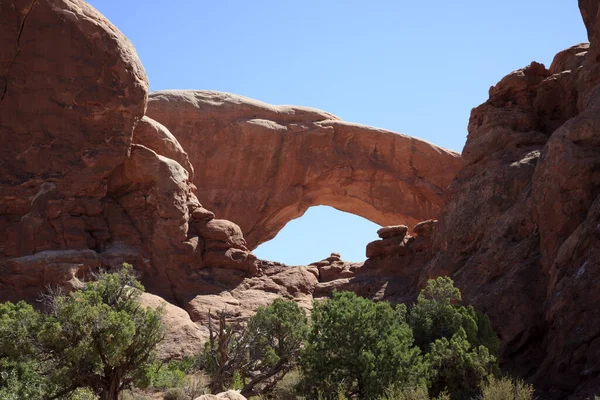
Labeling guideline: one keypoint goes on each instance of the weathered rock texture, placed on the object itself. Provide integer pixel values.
(86, 180)
(519, 232)
(261, 166)
(71, 92)
(182, 336)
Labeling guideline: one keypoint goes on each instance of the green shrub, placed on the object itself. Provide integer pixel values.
(82, 394)
(359, 347)
(460, 345)
(458, 367)
(438, 314)
(506, 389)
(196, 385)
(175, 394)
(97, 338)
(265, 349)
(167, 376)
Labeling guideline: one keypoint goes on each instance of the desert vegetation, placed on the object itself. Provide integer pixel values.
(99, 343)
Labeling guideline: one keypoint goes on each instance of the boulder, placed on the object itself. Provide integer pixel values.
(228, 395)
(424, 229)
(393, 231)
(183, 338)
(155, 136)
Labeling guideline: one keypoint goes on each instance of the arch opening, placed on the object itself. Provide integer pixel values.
(320, 231)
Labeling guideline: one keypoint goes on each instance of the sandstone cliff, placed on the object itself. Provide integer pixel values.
(519, 230)
(86, 180)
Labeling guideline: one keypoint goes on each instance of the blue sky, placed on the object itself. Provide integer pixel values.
(409, 66)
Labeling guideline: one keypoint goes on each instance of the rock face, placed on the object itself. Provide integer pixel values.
(62, 137)
(519, 232)
(86, 180)
(182, 336)
(276, 161)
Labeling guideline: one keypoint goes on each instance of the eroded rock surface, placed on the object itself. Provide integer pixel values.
(71, 92)
(182, 336)
(86, 180)
(276, 161)
(519, 229)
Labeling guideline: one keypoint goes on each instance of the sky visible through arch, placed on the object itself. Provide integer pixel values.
(408, 66)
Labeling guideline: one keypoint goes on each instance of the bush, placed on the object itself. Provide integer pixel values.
(175, 394)
(264, 350)
(459, 344)
(506, 389)
(457, 367)
(438, 314)
(395, 393)
(168, 378)
(195, 385)
(97, 338)
(359, 347)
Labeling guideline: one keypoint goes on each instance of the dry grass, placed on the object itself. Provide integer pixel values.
(506, 389)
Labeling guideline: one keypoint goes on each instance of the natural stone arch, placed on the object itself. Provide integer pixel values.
(261, 165)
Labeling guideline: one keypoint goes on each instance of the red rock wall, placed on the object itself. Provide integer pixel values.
(519, 231)
(86, 180)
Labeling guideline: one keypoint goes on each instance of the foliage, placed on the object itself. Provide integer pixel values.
(400, 393)
(195, 385)
(459, 343)
(260, 353)
(225, 352)
(169, 376)
(360, 346)
(98, 338)
(21, 372)
(506, 389)
(418, 393)
(457, 367)
(97, 341)
(280, 330)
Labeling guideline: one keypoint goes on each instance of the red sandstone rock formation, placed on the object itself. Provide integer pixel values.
(182, 336)
(276, 161)
(86, 180)
(71, 92)
(519, 230)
